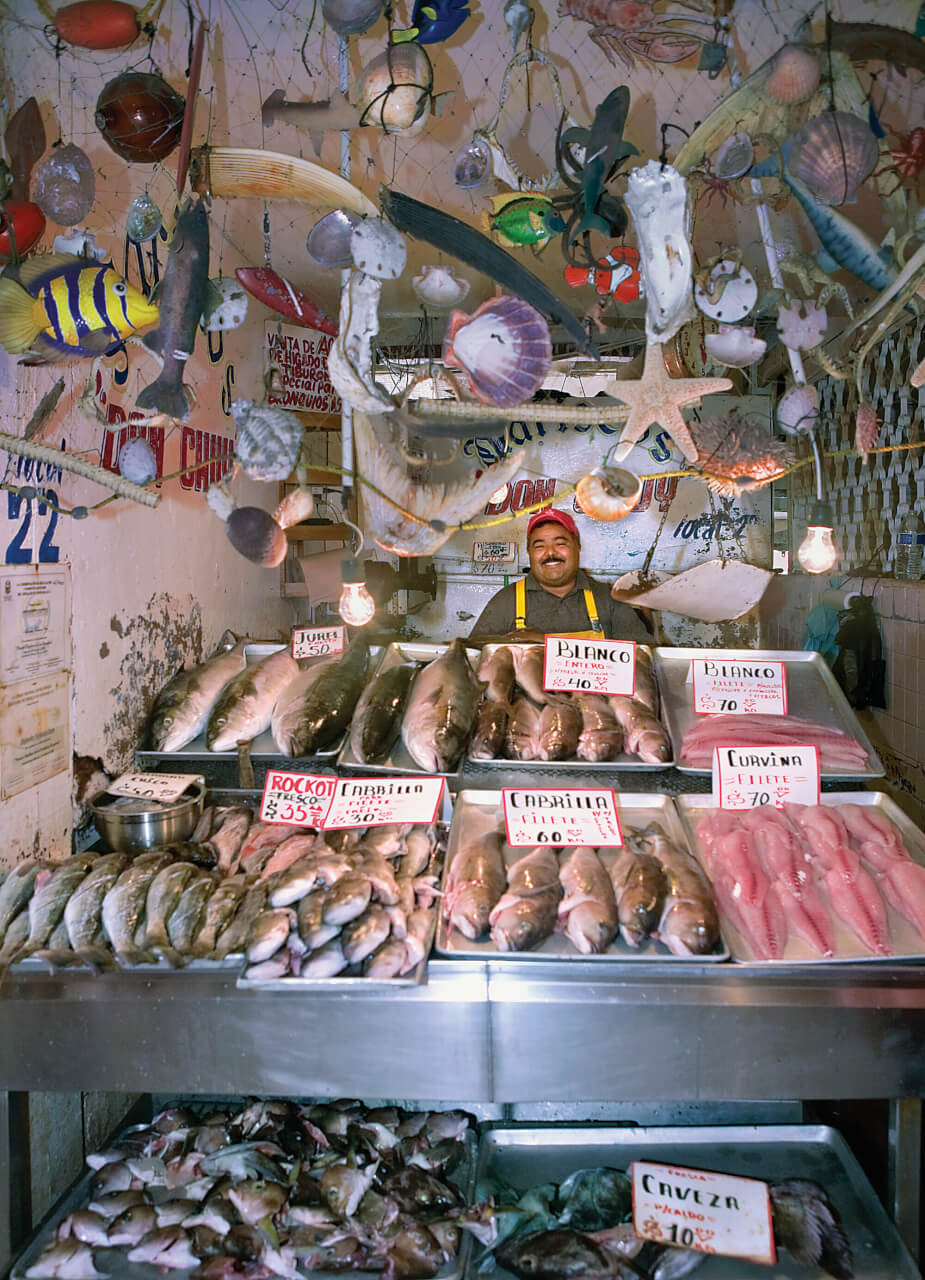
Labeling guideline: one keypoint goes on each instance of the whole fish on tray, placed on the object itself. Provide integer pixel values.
(245, 705)
(288, 709)
(644, 734)
(182, 707)
(689, 925)
(523, 730)
(377, 717)
(588, 911)
(497, 672)
(525, 914)
(559, 731)
(475, 881)
(441, 710)
(600, 739)
(640, 885)
(328, 703)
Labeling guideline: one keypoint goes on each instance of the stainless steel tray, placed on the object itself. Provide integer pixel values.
(909, 944)
(525, 1157)
(624, 760)
(114, 1262)
(398, 761)
(813, 693)
(263, 748)
(482, 811)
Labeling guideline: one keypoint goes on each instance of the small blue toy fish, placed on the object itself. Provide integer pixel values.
(437, 20)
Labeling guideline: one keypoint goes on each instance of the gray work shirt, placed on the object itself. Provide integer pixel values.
(552, 614)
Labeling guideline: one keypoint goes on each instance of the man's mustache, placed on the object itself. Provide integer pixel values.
(552, 560)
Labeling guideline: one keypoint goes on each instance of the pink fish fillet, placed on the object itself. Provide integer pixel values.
(782, 857)
(837, 750)
(902, 883)
(854, 896)
(745, 894)
(865, 822)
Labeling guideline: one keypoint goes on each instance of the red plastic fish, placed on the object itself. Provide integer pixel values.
(618, 274)
(275, 292)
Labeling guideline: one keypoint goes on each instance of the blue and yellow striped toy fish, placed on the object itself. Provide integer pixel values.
(57, 306)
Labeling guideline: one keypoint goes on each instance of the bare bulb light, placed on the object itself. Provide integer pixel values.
(817, 552)
(356, 606)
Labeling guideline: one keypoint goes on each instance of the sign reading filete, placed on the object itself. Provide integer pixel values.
(749, 777)
(296, 799)
(166, 787)
(590, 666)
(374, 802)
(709, 1212)
(561, 817)
(317, 642)
(739, 687)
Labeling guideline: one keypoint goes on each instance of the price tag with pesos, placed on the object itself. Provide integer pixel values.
(165, 787)
(749, 777)
(375, 802)
(591, 666)
(710, 1212)
(296, 799)
(561, 816)
(317, 642)
(743, 687)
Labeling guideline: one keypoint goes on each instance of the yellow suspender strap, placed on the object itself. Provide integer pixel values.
(520, 605)
(592, 610)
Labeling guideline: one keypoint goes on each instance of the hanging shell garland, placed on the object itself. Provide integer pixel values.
(832, 155)
(504, 347)
(137, 461)
(144, 219)
(608, 493)
(734, 157)
(736, 346)
(350, 17)
(226, 306)
(268, 441)
(440, 286)
(798, 410)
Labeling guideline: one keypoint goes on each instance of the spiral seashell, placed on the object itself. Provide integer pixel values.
(608, 493)
(798, 410)
(504, 347)
(832, 155)
(866, 429)
(795, 75)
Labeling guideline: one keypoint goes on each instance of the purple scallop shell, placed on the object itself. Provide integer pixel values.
(504, 347)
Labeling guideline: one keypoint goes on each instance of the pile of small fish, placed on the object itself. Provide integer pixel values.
(275, 1189)
(838, 751)
(293, 900)
(780, 874)
(519, 719)
(648, 889)
(306, 707)
(583, 1227)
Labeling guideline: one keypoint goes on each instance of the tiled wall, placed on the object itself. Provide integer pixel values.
(898, 732)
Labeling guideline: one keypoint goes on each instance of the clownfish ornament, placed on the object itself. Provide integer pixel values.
(617, 274)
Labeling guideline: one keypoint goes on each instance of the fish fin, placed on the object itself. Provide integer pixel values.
(97, 341)
(50, 264)
(56, 959)
(19, 326)
(164, 398)
(96, 958)
(131, 956)
(270, 107)
(154, 341)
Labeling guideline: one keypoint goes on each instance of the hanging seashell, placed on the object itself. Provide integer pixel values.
(268, 441)
(734, 157)
(395, 89)
(257, 536)
(294, 508)
(798, 410)
(64, 185)
(795, 75)
(329, 239)
(144, 219)
(82, 244)
(137, 461)
(608, 493)
(504, 347)
(473, 165)
(377, 249)
(735, 346)
(440, 287)
(739, 453)
(226, 305)
(866, 429)
(802, 326)
(350, 17)
(832, 155)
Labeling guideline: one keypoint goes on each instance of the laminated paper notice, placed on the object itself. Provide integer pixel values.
(34, 732)
(595, 666)
(163, 787)
(741, 687)
(33, 622)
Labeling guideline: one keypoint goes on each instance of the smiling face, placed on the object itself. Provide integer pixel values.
(553, 553)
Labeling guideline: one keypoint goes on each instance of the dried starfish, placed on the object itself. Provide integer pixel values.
(657, 398)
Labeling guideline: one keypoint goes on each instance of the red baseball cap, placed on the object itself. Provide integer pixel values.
(549, 515)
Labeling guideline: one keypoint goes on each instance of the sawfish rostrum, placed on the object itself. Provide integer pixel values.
(181, 301)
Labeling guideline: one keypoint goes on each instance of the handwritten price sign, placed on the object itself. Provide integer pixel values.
(374, 802)
(749, 777)
(317, 642)
(165, 787)
(296, 799)
(589, 666)
(709, 1212)
(743, 688)
(561, 817)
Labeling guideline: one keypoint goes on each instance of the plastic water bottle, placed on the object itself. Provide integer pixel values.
(910, 548)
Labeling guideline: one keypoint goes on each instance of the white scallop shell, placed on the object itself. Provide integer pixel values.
(440, 286)
(734, 346)
(656, 197)
(798, 410)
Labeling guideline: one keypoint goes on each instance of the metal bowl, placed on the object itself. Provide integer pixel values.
(129, 829)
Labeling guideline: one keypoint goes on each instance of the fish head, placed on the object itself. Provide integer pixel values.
(129, 308)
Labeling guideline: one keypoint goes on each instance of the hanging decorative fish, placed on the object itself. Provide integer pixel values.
(437, 20)
(459, 240)
(520, 219)
(58, 306)
(617, 273)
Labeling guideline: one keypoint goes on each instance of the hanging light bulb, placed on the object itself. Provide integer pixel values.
(817, 552)
(356, 606)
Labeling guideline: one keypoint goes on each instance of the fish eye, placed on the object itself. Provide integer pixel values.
(119, 288)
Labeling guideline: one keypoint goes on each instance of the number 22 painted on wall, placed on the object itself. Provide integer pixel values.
(17, 552)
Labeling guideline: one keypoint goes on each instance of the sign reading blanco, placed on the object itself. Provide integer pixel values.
(592, 666)
(741, 687)
(561, 817)
(749, 777)
(709, 1212)
(374, 802)
(166, 787)
(296, 799)
(317, 642)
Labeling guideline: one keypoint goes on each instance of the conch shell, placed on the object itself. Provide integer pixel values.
(657, 199)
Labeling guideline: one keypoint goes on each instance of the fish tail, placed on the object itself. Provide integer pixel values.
(19, 324)
(95, 958)
(130, 956)
(171, 955)
(166, 395)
